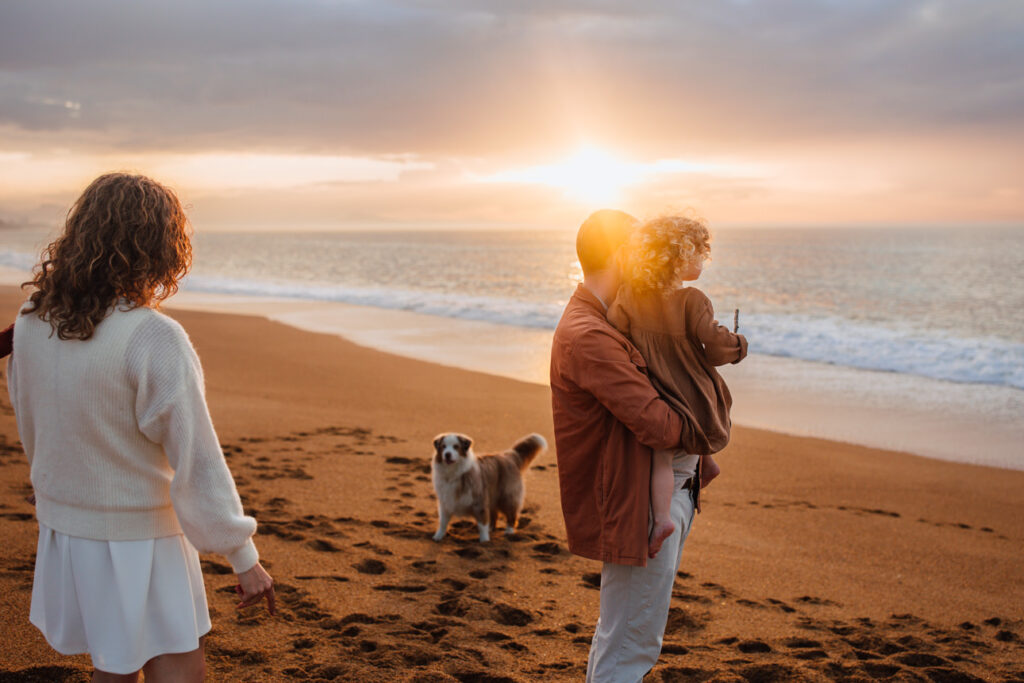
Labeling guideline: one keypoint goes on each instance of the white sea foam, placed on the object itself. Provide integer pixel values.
(530, 301)
(821, 339)
(493, 309)
(18, 260)
(874, 347)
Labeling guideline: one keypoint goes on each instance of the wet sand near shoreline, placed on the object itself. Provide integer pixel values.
(813, 560)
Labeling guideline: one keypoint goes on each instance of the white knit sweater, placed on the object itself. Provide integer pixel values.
(118, 436)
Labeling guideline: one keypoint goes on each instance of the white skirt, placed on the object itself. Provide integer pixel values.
(123, 602)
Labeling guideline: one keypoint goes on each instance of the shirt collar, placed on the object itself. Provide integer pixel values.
(586, 295)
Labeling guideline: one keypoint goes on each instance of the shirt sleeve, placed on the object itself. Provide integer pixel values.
(602, 367)
(171, 410)
(720, 345)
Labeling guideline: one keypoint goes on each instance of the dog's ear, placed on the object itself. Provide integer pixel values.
(465, 442)
(437, 442)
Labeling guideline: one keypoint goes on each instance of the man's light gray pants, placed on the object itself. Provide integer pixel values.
(635, 602)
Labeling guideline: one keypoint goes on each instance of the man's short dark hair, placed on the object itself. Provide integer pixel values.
(600, 237)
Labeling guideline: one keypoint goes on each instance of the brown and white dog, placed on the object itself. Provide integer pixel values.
(480, 486)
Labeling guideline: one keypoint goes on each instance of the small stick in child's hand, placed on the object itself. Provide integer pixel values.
(736, 321)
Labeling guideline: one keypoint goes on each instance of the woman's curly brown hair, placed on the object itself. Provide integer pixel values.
(127, 238)
(661, 250)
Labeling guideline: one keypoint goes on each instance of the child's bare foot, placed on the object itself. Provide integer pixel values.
(708, 471)
(659, 533)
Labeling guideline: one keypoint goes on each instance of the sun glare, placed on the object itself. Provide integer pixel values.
(593, 175)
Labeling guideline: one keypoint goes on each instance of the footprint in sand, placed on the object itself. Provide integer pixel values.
(548, 550)
(373, 548)
(511, 616)
(325, 577)
(370, 566)
(769, 673)
(750, 603)
(18, 516)
(214, 567)
(451, 607)
(322, 545)
(670, 648)
(680, 620)
(781, 605)
(50, 674)
(801, 643)
(425, 565)
(692, 598)
(686, 674)
(303, 643)
(455, 584)
(401, 587)
(809, 600)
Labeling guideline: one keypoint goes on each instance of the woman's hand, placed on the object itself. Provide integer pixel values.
(253, 584)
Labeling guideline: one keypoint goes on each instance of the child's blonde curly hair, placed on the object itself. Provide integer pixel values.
(661, 250)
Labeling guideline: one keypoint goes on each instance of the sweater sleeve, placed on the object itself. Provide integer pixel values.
(171, 410)
(602, 367)
(720, 345)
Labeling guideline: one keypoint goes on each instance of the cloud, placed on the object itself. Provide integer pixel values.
(838, 104)
(476, 78)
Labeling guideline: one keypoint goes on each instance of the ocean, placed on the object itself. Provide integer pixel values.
(945, 304)
(941, 305)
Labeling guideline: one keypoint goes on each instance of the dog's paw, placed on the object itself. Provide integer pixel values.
(438, 535)
(510, 531)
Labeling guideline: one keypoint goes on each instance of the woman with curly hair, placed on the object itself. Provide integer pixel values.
(127, 471)
(675, 330)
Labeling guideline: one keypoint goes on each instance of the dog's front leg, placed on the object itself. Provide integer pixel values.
(443, 518)
(483, 523)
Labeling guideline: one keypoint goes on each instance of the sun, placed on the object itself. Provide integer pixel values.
(593, 175)
(590, 175)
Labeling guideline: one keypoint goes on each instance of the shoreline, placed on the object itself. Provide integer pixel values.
(883, 410)
(812, 558)
(971, 423)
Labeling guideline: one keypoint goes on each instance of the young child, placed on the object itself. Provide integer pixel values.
(675, 330)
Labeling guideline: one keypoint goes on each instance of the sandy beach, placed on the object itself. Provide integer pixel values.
(813, 560)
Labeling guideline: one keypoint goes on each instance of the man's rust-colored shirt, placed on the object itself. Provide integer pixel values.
(607, 418)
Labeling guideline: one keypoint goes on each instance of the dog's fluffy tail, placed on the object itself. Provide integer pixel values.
(528, 448)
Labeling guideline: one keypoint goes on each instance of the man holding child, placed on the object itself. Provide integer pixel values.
(608, 417)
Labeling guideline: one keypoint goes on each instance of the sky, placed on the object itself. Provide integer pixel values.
(342, 114)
